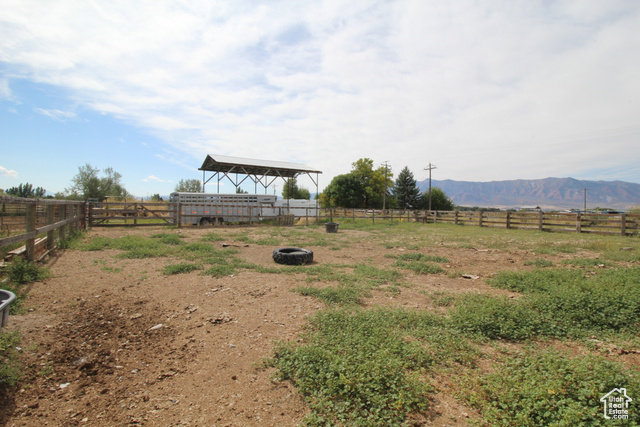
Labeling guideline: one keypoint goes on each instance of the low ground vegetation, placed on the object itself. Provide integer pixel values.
(409, 324)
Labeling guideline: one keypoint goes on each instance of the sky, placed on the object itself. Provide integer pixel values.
(483, 90)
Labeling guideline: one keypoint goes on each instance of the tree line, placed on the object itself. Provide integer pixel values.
(374, 188)
(87, 184)
(365, 186)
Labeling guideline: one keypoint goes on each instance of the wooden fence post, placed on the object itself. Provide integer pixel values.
(62, 214)
(623, 224)
(178, 217)
(508, 219)
(31, 226)
(455, 218)
(373, 217)
(77, 211)
(540, 220)
(51, 237)
(578, 224)
(480, 218)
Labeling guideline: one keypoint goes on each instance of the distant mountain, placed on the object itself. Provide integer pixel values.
(562, 193)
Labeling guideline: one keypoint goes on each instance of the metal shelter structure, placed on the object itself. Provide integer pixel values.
(263, 172)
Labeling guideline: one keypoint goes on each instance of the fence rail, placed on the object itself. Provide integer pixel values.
(23, 220)
(119, 214)
(596, 223)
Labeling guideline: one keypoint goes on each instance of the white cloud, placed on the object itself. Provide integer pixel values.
(492, 90)
(5, 91)
(8, 172)
(56, 114)
(155, 178)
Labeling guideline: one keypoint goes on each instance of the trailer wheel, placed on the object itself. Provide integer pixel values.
(205, 221)
(292, 256)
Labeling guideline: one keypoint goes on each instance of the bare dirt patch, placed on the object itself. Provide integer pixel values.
(110, 341)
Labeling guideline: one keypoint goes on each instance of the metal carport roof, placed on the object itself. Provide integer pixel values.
(258, 171)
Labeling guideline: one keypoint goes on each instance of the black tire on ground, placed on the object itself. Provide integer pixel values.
(205, 221)
(293, 256)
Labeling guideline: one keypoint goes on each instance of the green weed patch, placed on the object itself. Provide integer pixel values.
(555, 303)
(365, 367)
(21, 272)
(10, 367)
(549, 388)
(180, 268)
(420, 263)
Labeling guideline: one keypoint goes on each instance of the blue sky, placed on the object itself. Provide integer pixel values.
(486, 90)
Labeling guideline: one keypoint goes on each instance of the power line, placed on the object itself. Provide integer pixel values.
(429, 168)
(384, 195)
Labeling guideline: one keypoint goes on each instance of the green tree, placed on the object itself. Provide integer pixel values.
(292, 191)
(241, 191)
(188, 186)
(405, 190)
(88, 185)
(344, 191)
(373, 182)
(439, 200)
(27, 191)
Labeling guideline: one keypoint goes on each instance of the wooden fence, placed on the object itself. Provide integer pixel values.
(122, 214)
(597, 223)
(159, 213)
(37, 221)
(118, 214)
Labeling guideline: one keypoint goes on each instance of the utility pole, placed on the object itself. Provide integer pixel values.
(429, 169)
(585, 200)
(384, 195)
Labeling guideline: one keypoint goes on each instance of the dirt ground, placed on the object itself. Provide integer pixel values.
(111, 341)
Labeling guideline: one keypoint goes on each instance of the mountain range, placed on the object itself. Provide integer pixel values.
(548, 193)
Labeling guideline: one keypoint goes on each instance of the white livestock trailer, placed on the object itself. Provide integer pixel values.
(216, 208)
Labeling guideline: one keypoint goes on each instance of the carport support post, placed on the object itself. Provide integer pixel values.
(31, 226)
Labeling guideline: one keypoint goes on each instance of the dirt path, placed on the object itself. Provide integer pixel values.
(115, 342)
